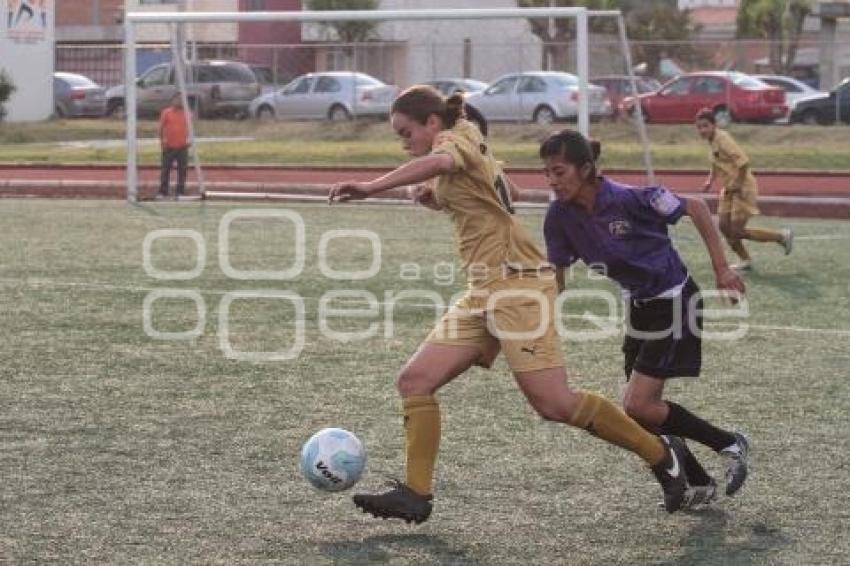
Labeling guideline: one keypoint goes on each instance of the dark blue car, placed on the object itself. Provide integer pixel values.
(825, 108)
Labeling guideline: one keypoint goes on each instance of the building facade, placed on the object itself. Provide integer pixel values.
(26, 57)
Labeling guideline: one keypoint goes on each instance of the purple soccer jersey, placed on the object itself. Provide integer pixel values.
(626, 233)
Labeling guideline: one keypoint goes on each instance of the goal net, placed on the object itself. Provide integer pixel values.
(270, 90)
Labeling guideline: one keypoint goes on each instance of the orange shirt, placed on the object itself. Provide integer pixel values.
(172, 128)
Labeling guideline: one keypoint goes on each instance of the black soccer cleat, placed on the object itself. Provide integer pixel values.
(670, 473)
(737, 463)
(400, 502)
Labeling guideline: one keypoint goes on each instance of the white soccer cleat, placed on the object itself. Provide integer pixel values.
(737, 463)
(745, 265)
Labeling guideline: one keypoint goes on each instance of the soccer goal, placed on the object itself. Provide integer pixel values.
(183, 72)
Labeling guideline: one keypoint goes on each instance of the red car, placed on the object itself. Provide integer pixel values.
(732, 95)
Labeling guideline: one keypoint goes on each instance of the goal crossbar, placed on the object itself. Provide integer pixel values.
(132, 19)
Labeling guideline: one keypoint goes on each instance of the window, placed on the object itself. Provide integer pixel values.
(504, 86)
(205, 75)
(327, 84)
(532, 84)
(156, 76)
(709, 85)
(303, 86)
(255, 5)
(678, 87)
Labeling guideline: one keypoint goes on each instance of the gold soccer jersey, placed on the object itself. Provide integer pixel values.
(510, 304)
(727, 159)
(489, 237)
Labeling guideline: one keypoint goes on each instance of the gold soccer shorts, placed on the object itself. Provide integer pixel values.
(515, 315)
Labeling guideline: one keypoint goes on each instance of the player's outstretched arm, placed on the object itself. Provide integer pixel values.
(726, 277)
(413, 172)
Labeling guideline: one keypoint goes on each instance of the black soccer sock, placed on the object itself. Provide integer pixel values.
(681, 422)
(693, 469)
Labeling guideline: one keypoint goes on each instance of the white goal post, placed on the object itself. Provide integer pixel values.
(173, 19)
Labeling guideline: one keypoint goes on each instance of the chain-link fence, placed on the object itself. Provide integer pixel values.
(404, 62)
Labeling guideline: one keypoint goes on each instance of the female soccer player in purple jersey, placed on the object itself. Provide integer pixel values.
(622, 231)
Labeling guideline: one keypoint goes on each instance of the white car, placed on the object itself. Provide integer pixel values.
(338, 95)
(542, 96)
(795, 91)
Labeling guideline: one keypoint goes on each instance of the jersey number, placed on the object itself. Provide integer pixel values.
(504, 194)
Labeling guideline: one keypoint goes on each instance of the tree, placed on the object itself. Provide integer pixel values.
(347, 32)
(778, 21)
(557, 35)
(6, 90)
(656, 28)
(652, 24)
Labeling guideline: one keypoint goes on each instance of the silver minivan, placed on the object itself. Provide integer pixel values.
(215, 88)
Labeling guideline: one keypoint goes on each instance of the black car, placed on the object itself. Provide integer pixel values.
(821, 109)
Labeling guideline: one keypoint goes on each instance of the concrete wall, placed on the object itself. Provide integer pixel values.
(436, 48)
(89, 21)
(26, 55)
(205, 33)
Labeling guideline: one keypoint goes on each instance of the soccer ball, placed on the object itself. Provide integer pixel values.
(333, 459)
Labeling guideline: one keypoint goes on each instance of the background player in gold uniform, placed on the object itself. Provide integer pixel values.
(738, 192)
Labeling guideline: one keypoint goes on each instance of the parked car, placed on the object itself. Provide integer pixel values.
(214, 88)
(821, 109)
(449, 86)
(794, 90)
(75, 95)
(542, 96)
(732, 95)
(338, 95)
(620, 86)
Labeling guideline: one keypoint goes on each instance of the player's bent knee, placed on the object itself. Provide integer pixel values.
(412, 382)
(635, 408)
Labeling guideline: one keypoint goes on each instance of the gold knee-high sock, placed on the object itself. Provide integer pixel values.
(422, 439)
(762, 235)
(604, 419)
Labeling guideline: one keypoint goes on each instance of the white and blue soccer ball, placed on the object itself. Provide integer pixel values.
(333, 459)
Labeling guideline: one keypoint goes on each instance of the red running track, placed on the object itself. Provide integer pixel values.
(786, 193)
(788, 183)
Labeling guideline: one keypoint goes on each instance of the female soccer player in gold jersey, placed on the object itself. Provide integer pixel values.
(509, 307)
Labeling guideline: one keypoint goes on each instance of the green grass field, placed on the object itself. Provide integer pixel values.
(119, 448)
(373, 143)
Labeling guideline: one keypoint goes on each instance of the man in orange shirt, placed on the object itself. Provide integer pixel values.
(174, 140)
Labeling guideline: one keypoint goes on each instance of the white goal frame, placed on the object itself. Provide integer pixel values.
(173, 19)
